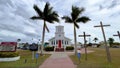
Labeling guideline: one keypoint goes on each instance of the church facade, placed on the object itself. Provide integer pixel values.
(60, 41)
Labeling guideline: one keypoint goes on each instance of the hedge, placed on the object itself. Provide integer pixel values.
(69, 48)
(48, 48)
(8, 54)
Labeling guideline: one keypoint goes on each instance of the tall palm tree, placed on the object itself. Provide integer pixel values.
(95, 39)
(74, 19)
(47, 15)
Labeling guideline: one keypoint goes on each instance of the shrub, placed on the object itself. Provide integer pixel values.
(8, 54)
(69, 48)
(48, 48)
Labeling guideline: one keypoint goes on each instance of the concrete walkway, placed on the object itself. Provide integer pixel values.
(58, 60)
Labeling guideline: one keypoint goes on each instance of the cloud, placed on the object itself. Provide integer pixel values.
(15, 18)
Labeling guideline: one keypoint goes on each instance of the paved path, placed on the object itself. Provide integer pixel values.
(58, 60)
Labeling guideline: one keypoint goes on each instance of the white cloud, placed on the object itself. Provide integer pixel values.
(15, 22)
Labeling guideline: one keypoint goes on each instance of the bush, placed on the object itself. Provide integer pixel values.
(8, 54)
(69, 48)
(49, 48)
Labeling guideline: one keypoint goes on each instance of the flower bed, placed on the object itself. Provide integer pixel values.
(9, 59)
(9, 56)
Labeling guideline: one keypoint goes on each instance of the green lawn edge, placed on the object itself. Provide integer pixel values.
(97, 59)
(25, 61)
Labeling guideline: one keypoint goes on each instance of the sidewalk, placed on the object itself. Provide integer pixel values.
(58, 60)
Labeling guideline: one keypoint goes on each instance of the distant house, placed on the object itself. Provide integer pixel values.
(59, 41)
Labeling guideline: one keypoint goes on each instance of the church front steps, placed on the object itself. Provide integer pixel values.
(59, 49)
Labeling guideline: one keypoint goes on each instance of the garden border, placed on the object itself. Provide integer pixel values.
(9, 59)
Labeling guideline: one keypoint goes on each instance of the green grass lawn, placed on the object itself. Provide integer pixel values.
(25, 54)
(98, 59)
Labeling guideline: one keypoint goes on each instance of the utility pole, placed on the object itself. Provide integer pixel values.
(107, 48)
(118, 34)
(84, 35)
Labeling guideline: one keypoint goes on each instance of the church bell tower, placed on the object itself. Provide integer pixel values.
(59, 35)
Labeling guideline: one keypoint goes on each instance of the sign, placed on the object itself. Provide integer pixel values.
(33, 47)
(8, 46)
(78, 54)
(36, 55)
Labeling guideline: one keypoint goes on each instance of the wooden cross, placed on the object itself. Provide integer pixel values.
(117, 34)
(107, 48)
(84, 35)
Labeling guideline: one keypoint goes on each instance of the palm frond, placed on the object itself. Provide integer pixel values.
(39, 12)
(55, 13)
(67, 19)
(49, 10)
(35, 17)
(46, 9)
(76, 11)
(83, 19)
(52, 17)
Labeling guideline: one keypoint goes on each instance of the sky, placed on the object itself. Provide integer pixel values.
(15, 19)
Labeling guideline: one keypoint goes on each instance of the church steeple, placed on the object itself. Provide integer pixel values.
(59, 34)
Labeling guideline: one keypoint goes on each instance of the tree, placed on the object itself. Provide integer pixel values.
(47, 15)
(25, 46)
(74, 19)
(110, 41)
(95, 39)
(18, 40)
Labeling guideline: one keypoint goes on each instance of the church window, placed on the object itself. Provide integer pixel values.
(67, 42)
(59, 29)
(62, 42)
(56, 42)
(52, 42)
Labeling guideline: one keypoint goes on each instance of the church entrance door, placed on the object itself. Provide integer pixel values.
(59, 44)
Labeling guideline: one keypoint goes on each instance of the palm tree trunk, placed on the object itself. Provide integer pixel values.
(43, 35)
(75, 40)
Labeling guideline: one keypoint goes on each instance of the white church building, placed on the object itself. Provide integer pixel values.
(60, 41)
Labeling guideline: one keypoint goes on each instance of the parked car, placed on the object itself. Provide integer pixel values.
(115, 47)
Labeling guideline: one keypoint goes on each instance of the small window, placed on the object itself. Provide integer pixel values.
(56, 42)
(65, 42)
(62, 42)
(52, 42)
